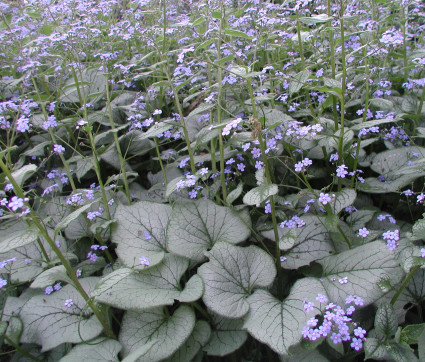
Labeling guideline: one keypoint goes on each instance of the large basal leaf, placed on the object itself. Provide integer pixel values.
(364, 267)
(49, 323)
(100, 350)
(196, 227)
(157, 286)
(393, 184)
(16, 236)
(312, 243)
(279, 324)
(199, 337)
(139, 328)
(259, 194)
(226, 337)
(394, 159)
(140, 231)
(231, 276)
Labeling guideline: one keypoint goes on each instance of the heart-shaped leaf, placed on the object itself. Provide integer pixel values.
(279, 324)
(196, 226)
(363, 266)
(157, 286)
(16, 236)
(48, 322)
(231, 276)
(50, 276)
(139, 328)
(140, 231)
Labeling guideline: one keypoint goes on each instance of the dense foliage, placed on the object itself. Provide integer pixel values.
(212, 180)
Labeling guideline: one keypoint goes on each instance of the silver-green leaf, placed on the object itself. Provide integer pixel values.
(139, 328)
(232, 274)
(279, 324)
(195, 227)
(99, 350)
(157, 286)
(140, 231)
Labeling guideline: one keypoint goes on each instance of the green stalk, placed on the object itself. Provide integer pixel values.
(366, 107)
(117, 143)
(332, 56)
(19, 349)
(343, 86)
(160, 161)
(272, 204)
(404, 284)
(59, 254)
(219, 105)
(303, 67)
(53, 137)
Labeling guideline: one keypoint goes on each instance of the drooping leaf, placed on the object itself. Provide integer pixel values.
(50, 276)
(279, 324)
(49, 323)
(401, 354)
(392, 160)
(316, 19)
(23, 173)
(393, 184)
(298, 81)
(140, 231)
(14, 329)
(195, 227)
(343, 199)
(139, 328)
(363, 266)
(199, 337)
(231, 275)
(71, 217)
(100, 349)
(385, 321)
(157, 286)
(227, 336)
(234, 194)
(17, 235)
(259, 194)
(156, 129)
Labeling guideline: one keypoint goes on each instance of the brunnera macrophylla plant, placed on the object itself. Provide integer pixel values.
(204, 180)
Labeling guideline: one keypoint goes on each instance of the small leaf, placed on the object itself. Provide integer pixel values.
(385, 321)
(259, 194)
(140, 231)
(231, 275)
(237, 33)
(418, 229)
(279, 324)
(139, 328)
(24, 172)
(316, 19)
(401, 354)
(71, 217)
(343, 199)
(100, 349)
(298, 81)
(411, 334)
(195, 227)
(154, 287)
(17, 236)
(375, 349)
(234, 194)
(50, 276)
(155, 130)
(376, 122)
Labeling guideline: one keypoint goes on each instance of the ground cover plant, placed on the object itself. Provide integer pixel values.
(212, 180)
